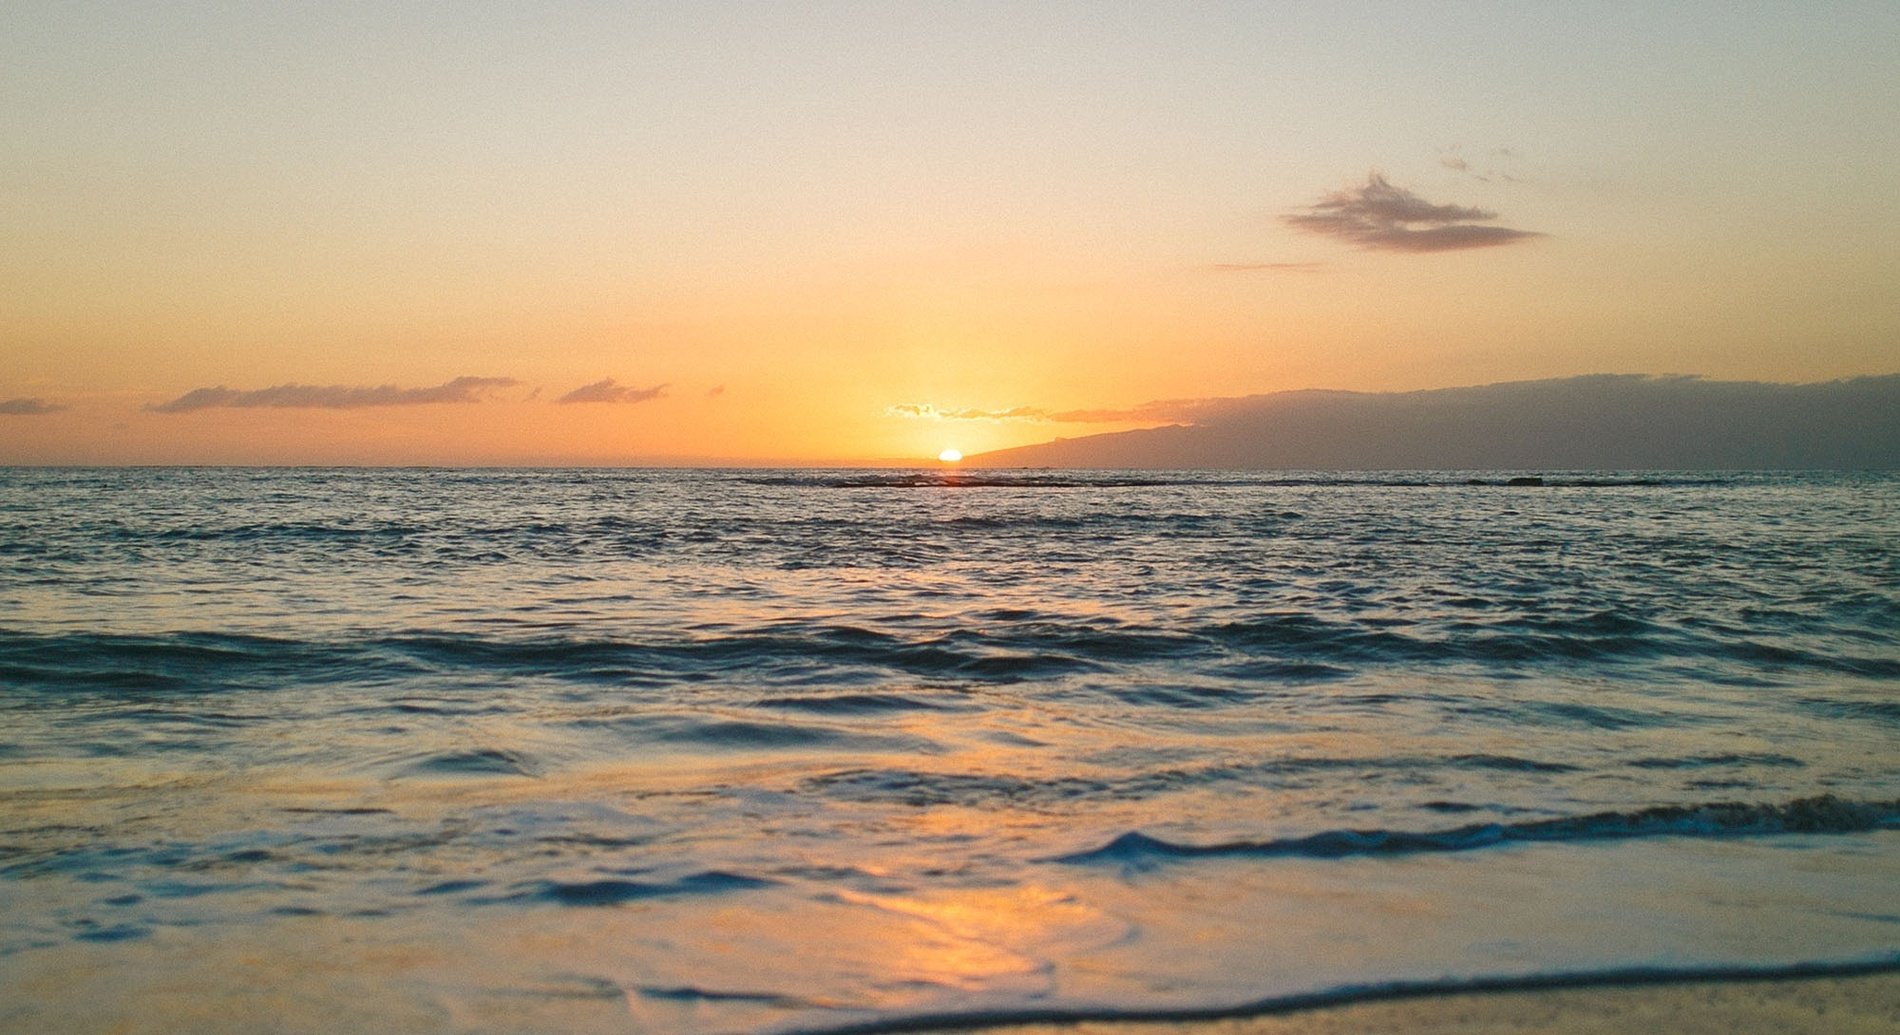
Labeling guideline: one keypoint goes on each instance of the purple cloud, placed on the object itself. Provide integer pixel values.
(606, 391)
(334, 397)
(27, 407)
(1381, 216)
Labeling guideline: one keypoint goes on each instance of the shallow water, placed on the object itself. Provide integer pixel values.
(741, 751)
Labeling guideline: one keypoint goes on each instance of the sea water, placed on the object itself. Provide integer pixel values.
(752, 751)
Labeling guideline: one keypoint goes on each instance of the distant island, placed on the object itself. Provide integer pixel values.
(1594, 422)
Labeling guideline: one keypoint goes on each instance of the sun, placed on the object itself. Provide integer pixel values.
(950, 456)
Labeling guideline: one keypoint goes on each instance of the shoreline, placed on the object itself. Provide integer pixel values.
(1848, 1000)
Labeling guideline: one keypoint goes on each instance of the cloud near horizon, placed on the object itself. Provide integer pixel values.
(27, 406)
(606, 390)
(334, 397)
(926, 411)
(1381, 216)
(1161, 410)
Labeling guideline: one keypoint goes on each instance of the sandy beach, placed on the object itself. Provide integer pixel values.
(1859, 1005)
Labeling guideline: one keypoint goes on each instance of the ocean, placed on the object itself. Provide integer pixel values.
(747, 751)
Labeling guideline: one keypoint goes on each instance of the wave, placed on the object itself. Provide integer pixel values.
(204, 662)
(1824, 814)
(1345, 995)
(1262, 651)
(177, 662)
(476, 762)
(919, 788)
(614, 891)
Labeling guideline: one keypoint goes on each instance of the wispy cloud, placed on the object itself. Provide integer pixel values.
(606, 390)
(1457, 163)
(715, 391)
(334, 397)
(1381, 216)
(926, 411)
(27, 407)
(1452, 159)
(1164, 410)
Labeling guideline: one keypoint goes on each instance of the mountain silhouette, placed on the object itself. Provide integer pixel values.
(1594, 422)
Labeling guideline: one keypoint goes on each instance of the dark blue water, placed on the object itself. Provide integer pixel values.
(473, 750)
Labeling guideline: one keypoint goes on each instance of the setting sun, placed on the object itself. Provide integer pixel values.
(950, 456)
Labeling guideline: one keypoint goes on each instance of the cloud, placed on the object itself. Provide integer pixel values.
(334, 397)
(1163, 410)
(27, 407)
(1381, 216)
(715, 391)
(1457, 164)
(925, 411)
(1451, 159)
(606, 391)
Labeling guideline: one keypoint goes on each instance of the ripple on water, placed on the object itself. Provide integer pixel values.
(600, 734)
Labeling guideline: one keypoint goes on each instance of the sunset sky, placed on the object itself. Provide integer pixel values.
(834, 233)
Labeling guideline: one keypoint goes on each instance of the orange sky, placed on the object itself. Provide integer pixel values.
(857, 233)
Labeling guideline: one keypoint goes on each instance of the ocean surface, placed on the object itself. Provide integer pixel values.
(757, 751)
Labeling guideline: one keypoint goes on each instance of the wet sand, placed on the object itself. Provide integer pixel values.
(1861, 1005)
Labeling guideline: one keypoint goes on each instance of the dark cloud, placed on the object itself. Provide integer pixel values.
(606, 390)
(27, 407)
(715, 391)
(1379, 215)
(334, 397)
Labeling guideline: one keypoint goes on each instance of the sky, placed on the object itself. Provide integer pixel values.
(845, 232)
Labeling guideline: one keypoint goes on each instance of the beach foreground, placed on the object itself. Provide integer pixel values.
(1803, 1006)
(500, 752)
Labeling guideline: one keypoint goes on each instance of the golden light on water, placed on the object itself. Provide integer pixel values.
(950, 456)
